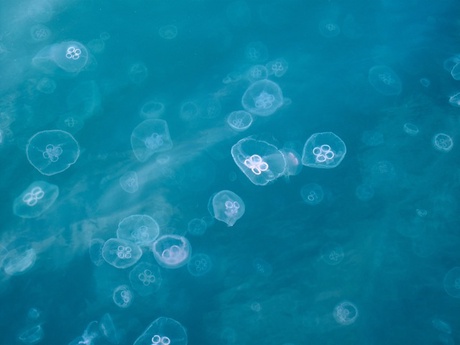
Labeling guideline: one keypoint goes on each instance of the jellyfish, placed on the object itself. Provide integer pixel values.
(312, 193)
(443, 142)
(323, 150)
(385, 80)
(262, 98)
(35, 199)
(122, 296)
(171, 251)
(345, 313)
(163, 331)
(199, 265)
(145, 278)
(140, 229)
(149, 137)
(239, 120)
(227, 207)
(121, 253)
(68, 56)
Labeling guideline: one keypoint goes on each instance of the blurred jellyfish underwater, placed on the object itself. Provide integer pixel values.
(229, 172)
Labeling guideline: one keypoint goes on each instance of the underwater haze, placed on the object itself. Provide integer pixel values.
(278, 172)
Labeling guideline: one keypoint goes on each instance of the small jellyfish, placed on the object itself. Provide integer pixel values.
(312, 194)
(152, 109)
(19, 260)
(149, 137)
(332, 254)
(46, 85)
(452, 282)
(40, 33)
(443, 142)
(168, 32)
(121, 253)
(425, 82)
(256, 52)
(257, 72)
(364, 192)
(454, 100)
(385, 80)
(262, 267)
(239, 120)
(172, 251)
(199, 265)
(35, 199)
(226, 206)
(145, 278)
(260, 161)
(52, 152)
(345, 313)
(411, 129)
(138, 72)
(262, 98)
(197, 227)
(107, 329)
(277, 67)
(329, 28)
(129, 182)
(293, 161)
(32, 335)
(140, 229)
(323, 150)
(163, 331)
(122, 296)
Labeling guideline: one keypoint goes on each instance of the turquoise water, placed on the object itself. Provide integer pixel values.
(110, 109)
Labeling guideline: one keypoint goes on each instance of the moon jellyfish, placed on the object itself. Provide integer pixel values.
(262, 267)
(40, 33)
(121, 253)
(277, 67)
(32, 335)
(199, 265)
(52, 152)
(19, 260)
(260, 161)
(138, 72)
(35, 199)
(262, 98)
(312, 193)
(129, 182)
(46, 85)
(364, 192)
(443, 142)
(172, 251)
(345, 313)
(239, 120)
(454, 100)
(168, 32)
(256, 52)
(226, 206)
(145, 278)
(69, 56)
(197, 227)
(152, 109)
(139, 229)
(293, 162)
(163, 331)
(385, 80)
(452, 282)
(149, 137)
(411, 129)
(257, 72)
(122, 296)
(323, 150)
(332, 254)
(329, 28)
(108, 330)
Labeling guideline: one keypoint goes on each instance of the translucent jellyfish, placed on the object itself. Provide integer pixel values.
(425, 82)
(262, 267)
(172, 251)
(89, 335)
(152, 109)
(260, 161)
(329, 28)
(189, 111)
(441, 325)
(138, 72)
(121, 253)
(40, 33)
(239, 120)
(455, 71)
(226, 206)
(129, 182)
(256, 52)
(46, 86)
(139, 229)
(455, 100)
(345, 313)
(443, 142)
(163, 331)
(52, 152)
(411, 129)
(199, 265)
(145, 278)
(122, 296)
(168, 32)
(32, 335)
(293, 161)
(149, 137)
(262, 98)
(257, 72)
(69, 56)
(107, 329)
(96, 45)
(312, 193)
(452, 282)
(385, 80)
(19, 260)
(35, 199)
(323, 150)
(332, 254)
(277, 67)
(197, 227)
(95, 251)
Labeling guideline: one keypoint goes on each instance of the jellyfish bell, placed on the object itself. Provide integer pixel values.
(69, 56)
